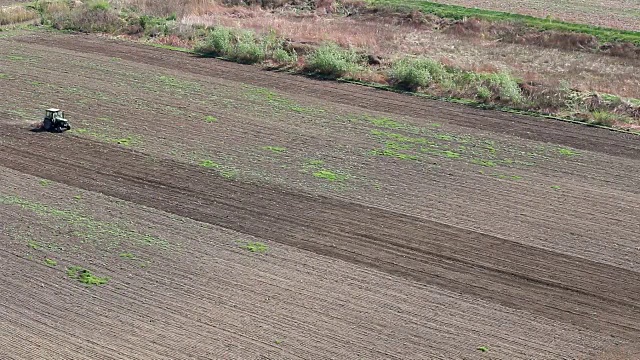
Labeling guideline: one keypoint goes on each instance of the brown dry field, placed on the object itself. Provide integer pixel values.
(622, 14)
(444, 229)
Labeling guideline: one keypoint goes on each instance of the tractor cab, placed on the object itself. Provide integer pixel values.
(52, 112)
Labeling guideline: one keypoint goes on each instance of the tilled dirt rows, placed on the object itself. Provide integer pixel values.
(550, 273)
(205, 298)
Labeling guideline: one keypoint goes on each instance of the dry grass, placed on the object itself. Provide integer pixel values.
(369, 35)
(622, 14)
(394, 39)
(16, 14)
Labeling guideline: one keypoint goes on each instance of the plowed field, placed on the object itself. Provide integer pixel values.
(236, 213)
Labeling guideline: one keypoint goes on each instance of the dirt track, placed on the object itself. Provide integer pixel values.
(589, 288)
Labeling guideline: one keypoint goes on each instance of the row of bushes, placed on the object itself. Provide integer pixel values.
(334, 61)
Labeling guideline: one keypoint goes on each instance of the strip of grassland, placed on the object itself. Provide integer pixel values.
(457, 12)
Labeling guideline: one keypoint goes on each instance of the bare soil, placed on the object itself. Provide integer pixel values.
(503, 231)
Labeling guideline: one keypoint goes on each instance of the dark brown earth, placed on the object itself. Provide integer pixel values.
(499, 245)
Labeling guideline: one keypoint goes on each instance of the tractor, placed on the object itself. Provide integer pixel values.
(54, 121)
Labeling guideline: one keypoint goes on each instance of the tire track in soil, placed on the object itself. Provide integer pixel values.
(600, 297)
(530, 128)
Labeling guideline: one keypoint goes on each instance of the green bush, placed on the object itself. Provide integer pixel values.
(244, 46)
(505, 86)
(331, 59)
(283, 57)
(418, 73)
(483, 93)
(99, 5)
(601, 117)
(247, 49)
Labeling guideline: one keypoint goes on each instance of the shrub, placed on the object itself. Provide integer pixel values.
(91, 17)
(418, 73)
(330, 59)
(488, 86)
(247, 50)
(283, 57)
(99, 5)
(244, 46)
(505, 86)
(484, 93)
(602, 117)
(16, 14)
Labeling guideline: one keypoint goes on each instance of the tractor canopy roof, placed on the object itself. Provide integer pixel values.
(53, 110)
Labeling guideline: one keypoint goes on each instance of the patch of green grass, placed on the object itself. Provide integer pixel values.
(50, 246)
(461, 12)
(3, 76)
(34, 245)
(555, 187)
(275, 149)
(568, 152)
(210, 119)
(127, 255)
(229, 173)
(278, 342)
(15, 58)
(445, 153)
(483, 349)
(391, 145)
(84, 226)
(50, 262)
(277, 101)
(85, 276)
(444, 137)
(330, 175)
(131, 140)
(506, 177)
(401, 138)
(482, 162)
(255, 247)
(209, 164)
(224, 171)
(393, 154)
(99, 5)
(386, 123)
(314, 162)
(176, 84)
(45, 182)
(128, 141)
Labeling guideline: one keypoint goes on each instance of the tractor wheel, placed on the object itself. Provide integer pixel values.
(47, 125)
